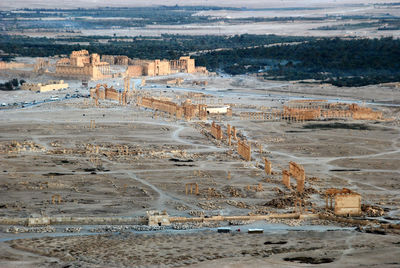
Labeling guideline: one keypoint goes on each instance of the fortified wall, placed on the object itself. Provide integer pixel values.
(11, 65)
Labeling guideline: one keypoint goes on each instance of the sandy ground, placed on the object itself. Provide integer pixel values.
(295, 28)
(291, 28)
(166, 154)
(207, 249)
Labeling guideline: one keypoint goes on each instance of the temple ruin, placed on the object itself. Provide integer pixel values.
(83, 65)
(343, 202)
(137, 67)
(183, 65)
(149, 68)
(115, 60)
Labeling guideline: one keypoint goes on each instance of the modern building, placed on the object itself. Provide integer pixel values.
(49, 86)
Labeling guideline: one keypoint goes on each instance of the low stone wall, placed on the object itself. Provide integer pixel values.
(132, 220)
(72, 221)
(236, 218)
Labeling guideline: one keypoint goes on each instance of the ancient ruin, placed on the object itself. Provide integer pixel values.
(267, 166)
(41, 66)
(143, 156)
(156, 218)
(244, 150)
(183, 65)
(115, 60)
(103, 92)
(169, 107)
(149, 68)
(286, 178)
(297, 171)
(137, 68)
(189, 188)
(296, 114)
(11, 65)
(186, 110)
(56, 198)
(81, 64)
(300, 111)
(343, 201)
(364, 113)
(216, 131)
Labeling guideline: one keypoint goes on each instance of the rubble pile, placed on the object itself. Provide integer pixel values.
(209, 205)
(234, 191)
(213, 193)
(124, 228)
(55, 144)
(240, 222)
(118, 151)
(372, 211)
(281, 202)
(17, 147)
(147, 228)
(196, 213)
(110, 229)
(19, 229)
(259, 210)
(194, 225)
(181, 207)
(310, 190)
(72, 230)
(290, 222)
(321, 222)
(238, 204)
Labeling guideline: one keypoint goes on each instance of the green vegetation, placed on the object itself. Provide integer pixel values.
(11, 85)
(338, 126)
(166, 46)
(341, 62)
(381, 25)
(354, 62)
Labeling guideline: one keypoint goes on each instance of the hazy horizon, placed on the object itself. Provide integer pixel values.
(15, 4)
